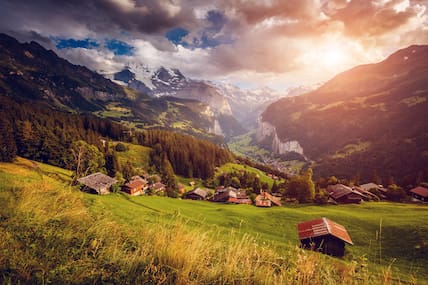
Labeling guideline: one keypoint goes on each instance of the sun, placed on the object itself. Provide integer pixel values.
(332, 57)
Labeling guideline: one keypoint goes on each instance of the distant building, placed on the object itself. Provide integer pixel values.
(267, 200)
(231, 195)
(136, 186)
(324, 235)
(157, 187)
(419, 194)
(342, 194)
(196, 194)
(97, 183)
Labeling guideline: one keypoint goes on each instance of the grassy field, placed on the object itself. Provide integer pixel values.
(52, 233)
(138, 155)
(230, 167)
(373, 227)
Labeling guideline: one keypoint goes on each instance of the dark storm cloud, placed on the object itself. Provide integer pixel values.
(104, 16)
(218, 37)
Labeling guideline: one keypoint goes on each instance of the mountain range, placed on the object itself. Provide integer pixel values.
(370, 120)
(29, 72)
(227, 101)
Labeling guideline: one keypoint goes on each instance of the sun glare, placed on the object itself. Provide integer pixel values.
(332, 57)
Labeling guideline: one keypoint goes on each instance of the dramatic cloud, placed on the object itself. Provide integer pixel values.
(250, 42)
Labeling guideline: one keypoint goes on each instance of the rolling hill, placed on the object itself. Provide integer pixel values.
(368, 121)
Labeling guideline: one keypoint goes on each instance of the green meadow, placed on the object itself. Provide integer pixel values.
(51, 232)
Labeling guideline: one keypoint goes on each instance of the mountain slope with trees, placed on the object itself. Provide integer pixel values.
(366, 123)
(30, 73)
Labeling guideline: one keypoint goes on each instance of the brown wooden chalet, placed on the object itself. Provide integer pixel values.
(231, 195)
(97, 183)
(158, 187)
(324, 235)
(136, 186)
(196, 194)
(342, 194)
(419, 194)
(372, 186)
(264, 199)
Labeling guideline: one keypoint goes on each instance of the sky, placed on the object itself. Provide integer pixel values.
(247, 43)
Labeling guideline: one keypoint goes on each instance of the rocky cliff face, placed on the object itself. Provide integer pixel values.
(266, 133)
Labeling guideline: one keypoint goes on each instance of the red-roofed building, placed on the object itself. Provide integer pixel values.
(135, 187)
(419, 194)
(324, 235)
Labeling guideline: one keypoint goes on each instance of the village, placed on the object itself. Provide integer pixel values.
(99, 183)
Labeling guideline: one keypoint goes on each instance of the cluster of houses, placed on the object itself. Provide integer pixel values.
(99, 183)
(342, 194)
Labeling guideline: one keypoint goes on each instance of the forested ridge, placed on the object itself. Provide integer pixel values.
(43, 134)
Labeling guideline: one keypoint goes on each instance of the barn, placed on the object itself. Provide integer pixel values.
(196, 194)
(419, 194)
(324, 235)
(344, 195)
(97, 183)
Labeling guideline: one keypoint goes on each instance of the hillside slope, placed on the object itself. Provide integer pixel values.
(369, 119)
(53, 233)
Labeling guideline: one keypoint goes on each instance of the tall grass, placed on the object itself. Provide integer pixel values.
(49, 235)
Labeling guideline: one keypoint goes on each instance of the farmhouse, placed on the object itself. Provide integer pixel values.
(267, 200)
(97, 183)
(419, 194)
(136, 186)
(378, 188)
(157, 187)
(324, 235)
(196, 194)
(230, 195)
(344, 195)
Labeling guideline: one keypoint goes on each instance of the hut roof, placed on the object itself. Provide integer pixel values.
(339, 190)
(322, 227)
(136, 183)
(266, 196)
(97, 181)
(421, 191)
(371, 185)
(198, 191)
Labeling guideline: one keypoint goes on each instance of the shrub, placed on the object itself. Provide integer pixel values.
(120, 147)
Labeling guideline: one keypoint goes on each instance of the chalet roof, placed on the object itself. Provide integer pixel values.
(338, 190)
(136, 183)
(158, 185)
(322, 227)
(97, 181)
(198, 191)
(267, 196)
(421, 191)
(371, 185)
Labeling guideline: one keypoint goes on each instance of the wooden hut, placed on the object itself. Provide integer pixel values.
(135, 187)
(196, 194)
(231, 195)
(419, 194)
(324, 235)
(97, 183)
(345, 195)
(267, 200)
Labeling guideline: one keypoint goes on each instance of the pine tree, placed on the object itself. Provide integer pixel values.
(168, 177)
(7, 141)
